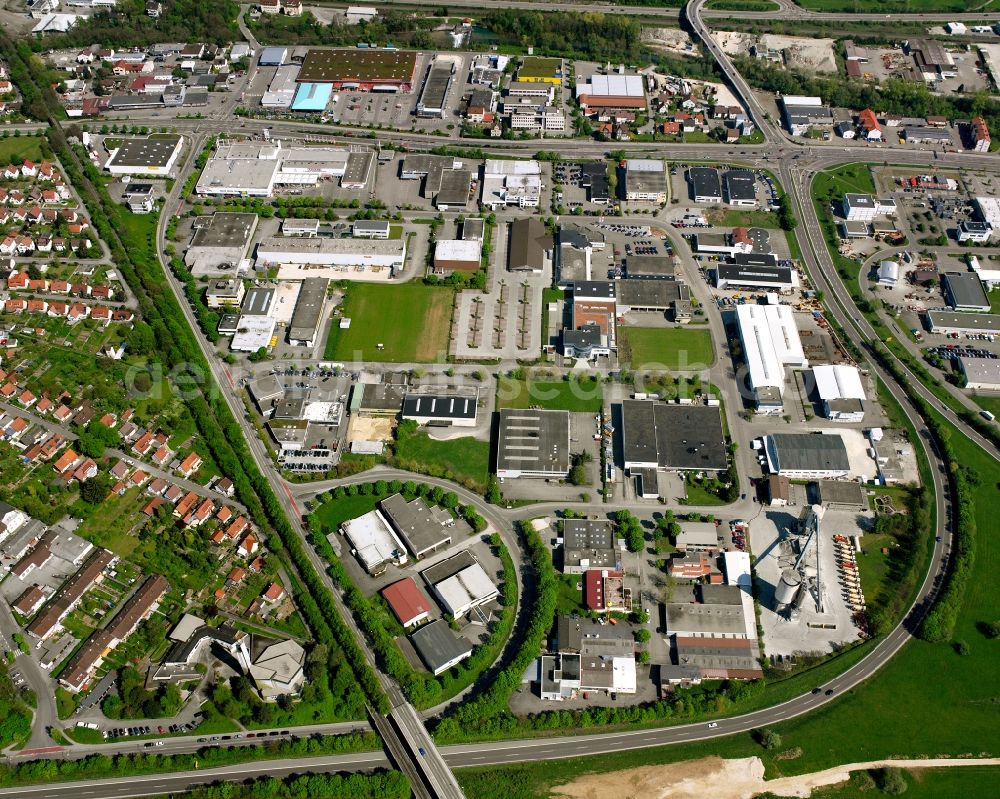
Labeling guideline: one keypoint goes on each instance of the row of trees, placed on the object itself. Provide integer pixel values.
(488, 714)
(24, 772)
(381, 784)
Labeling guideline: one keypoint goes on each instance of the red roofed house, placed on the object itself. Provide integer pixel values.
(236, 528)
(182, 508)
(142, 446)
(190, 464)
(138, 477)
(86, 470)
(407, 602)
(237, 575)
(274, 593)
(249, 545)
(224, 515)
(201, 514)
(68, 461)
(162, 455)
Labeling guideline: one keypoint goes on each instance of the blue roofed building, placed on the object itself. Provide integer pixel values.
(312, 97)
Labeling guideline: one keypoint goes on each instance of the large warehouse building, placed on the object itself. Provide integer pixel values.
(533, 443)
(281, 90)
(148, 155)
(220, 242)
(945, 322)
(347, 258)
(981, 374)
(807, 455)
(658, 435)
(603, 94)
(770, 343)
(308, 313)
(254, 169)
(365, 69)
(434, 94)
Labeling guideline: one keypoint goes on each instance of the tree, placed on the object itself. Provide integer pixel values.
(578, 471)
(95, 438)
(768, 738)
(891, 781)
(95, 490)
(630, 529)
(493, 495)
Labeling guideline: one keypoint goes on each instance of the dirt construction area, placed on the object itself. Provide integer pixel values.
(724, 779)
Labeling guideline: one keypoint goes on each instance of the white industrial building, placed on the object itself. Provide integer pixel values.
(990, 278)
(989, 211)
(516, 183)
(840, 390)
(612, 86)
(147, 155)
(468, 589)
(253, 332)
(865, 207)
(981, 374)
(254, 169)
(888, 273)
(770, 343)
(346, 258)
(281, 90)
(373, 542)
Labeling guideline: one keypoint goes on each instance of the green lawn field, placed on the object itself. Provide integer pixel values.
(20, 147)
(578, 396)
(673, 348)
(465, 459)
(411, 321)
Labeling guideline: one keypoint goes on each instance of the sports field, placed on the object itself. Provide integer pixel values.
(411, 322)
(674, 348)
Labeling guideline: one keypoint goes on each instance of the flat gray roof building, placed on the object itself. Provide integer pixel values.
(949, 322)
(964, 291)
(219, 243)
(807, 455)
(705, 184)
(649, 266)
(308, 312)
(358, 170)
(741, 187)
(258, 301)
(589, 544)
(691, 619)
(454, 191)
(439, 648)
(533, 443)
(424, 529)
(153, 155)
(673, 436)
(644, 294)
